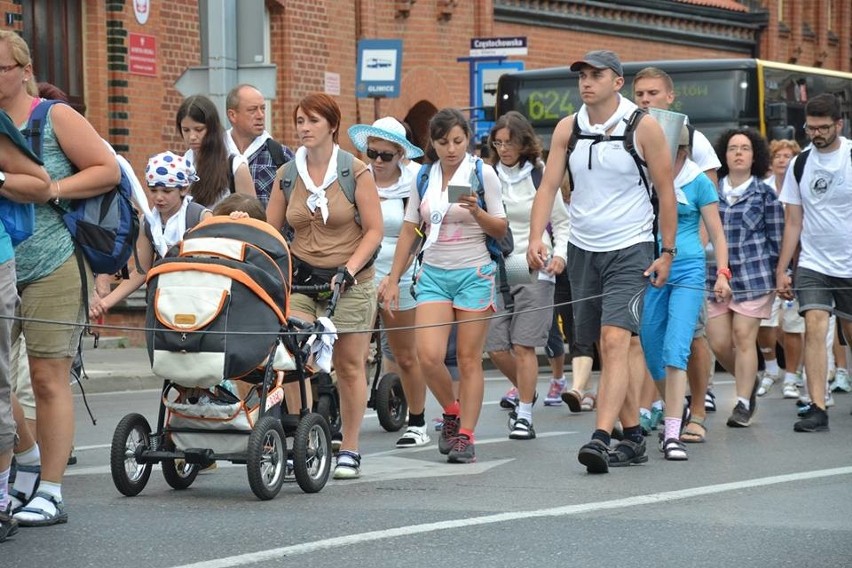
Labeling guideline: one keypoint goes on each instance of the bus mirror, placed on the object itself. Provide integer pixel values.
(776, 112)
(782, 133)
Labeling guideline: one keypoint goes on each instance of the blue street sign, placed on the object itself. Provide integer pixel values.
(485, 90)
(379, 68)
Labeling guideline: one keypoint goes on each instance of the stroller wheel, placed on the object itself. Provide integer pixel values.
(179, 474)
(128, 475)
(391, 406)
(267, 458)
(312, 453)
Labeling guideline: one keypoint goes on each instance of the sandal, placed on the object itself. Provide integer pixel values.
(589, 402)
(675, 450)
(574, 399)
(710, 401)
(47, 519)
(691, 434)
(19, 498)
(414, 436)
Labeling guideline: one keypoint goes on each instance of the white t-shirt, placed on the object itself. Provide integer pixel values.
(825, 195)
(703, 153)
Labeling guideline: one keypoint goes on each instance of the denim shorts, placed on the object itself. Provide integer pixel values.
(816, 291)
(468, 289)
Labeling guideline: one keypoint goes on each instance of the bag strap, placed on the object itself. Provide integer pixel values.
(799, 166)
(276, 152)
(35, 126)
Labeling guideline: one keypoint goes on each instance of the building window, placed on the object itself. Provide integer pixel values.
(54, 32)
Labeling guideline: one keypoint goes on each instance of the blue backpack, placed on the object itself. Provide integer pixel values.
(104, 227)
(498, 249)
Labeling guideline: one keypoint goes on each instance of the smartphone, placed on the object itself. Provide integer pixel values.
(454, 192)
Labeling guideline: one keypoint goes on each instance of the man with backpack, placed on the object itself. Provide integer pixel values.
(246, 110)
(817, 193)
(611, 240)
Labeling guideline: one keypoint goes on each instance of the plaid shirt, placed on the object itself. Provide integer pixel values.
(753, 227)
(263, 169)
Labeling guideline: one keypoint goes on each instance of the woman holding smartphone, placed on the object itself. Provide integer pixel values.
(456, 281)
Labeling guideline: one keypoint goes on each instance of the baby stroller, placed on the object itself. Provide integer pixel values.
(218, 309)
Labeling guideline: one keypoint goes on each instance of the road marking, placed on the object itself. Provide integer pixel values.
(372, 536)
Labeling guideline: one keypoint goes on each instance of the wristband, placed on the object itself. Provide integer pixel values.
(726, 272)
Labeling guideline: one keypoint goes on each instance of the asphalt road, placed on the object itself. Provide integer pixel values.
(762, 496)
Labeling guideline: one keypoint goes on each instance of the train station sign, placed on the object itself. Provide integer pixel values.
(489, 46)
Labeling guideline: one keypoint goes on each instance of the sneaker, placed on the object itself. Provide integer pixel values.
(449, 433)
(803, 405)
(627, 452)
(510, 399)
(462, 451)
(800, 379)
(657, 417)
(522, 430)
(841, 381)
(766, 384)
(829, 399)
(414, 436)
(348, 465)
(554, 394)
(645, 423)
(814, 420)
(595, 456)
(740, 417)
(790, 390)
(438, 423)
(8, 525)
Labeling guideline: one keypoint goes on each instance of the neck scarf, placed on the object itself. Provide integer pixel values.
(734, 194)
(401, 188)
(317, 198)
(168, 234)
(436, 197)
(688, 172)
(625, 107)
(253, 147)
(512, 175)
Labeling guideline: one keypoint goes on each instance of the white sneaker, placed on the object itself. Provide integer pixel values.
(766, 384)
(841, 381)
(414, 436)
(829, 400)
(791, 390)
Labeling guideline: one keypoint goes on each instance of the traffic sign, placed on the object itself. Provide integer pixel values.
(379, 68)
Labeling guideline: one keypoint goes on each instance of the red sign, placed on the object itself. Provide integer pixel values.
(142, 58)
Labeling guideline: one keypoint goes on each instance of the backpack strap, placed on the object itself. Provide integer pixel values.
(288, 179)
(232, 181)
(35, 126)
(276, 152)
(630, 145)
(423, 180)
(345, 175)
(799, 166)
(478, 184)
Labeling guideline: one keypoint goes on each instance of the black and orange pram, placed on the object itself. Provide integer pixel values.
(217, 310)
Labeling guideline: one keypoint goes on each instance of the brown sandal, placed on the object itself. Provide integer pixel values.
(573, 398)
(690, 435)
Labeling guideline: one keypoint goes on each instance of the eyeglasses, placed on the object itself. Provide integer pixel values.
(385, 156)
(821, 129)
(499, 144)
(6, 68)
(744, 149)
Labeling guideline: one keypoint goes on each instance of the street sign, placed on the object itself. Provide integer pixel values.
(487, 75)
(142, 55)
(482, 46)
(379, 68)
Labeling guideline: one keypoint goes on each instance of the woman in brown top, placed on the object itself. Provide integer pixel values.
(332, 232)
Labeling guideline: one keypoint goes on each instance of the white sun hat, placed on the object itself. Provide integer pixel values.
(387, 128)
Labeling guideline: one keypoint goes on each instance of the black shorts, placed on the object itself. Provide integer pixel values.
(608, 289)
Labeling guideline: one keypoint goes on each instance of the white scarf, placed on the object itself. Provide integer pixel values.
(734, 194)
(512, 175)
(688, 172)
(401, 188)
(437, 198)
(252, 148)
(172, 233)
(317, 196)
(625, 107)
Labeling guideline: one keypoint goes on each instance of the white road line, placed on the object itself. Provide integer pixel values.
(94, 447)
(372, 536)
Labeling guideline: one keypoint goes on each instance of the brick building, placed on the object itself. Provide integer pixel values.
(86, 47)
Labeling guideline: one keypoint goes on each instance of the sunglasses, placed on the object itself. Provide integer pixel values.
(385, 156)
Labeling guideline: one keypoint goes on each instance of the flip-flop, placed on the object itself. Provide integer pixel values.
(689, 436)
(574, 399)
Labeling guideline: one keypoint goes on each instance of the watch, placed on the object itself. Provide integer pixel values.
(2, 179)
(672, 251)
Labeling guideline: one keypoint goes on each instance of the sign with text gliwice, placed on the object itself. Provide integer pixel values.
(379, 68)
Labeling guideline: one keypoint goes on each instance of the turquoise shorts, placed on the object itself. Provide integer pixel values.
(468, 289)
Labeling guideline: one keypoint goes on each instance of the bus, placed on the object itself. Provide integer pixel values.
(716, 94)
